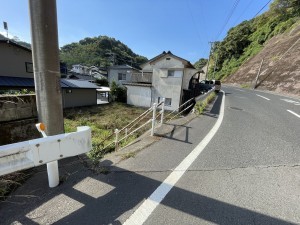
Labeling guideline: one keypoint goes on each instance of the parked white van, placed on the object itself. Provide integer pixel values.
(217, 86)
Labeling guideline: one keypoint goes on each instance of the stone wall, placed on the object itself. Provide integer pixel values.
(18, 116)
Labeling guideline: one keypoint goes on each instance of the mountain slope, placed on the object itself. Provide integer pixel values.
(280, 69)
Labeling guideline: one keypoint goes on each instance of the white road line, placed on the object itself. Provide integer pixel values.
(263, 97)
(291, 101)
(240, 90)
(295, 114)
(148, 206)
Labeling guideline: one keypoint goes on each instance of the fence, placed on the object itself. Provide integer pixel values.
(153, 117)
(145, 77)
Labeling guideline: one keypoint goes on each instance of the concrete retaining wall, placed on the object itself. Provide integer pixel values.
(18, 116)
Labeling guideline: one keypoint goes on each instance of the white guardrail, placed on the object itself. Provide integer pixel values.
(36, 152)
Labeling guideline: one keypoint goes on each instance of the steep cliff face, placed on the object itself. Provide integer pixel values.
(280, 70)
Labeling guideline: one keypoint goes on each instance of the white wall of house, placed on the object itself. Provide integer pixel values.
(113, 75)
(79, 97)
(188, 73)
(139, 96)
(13, 61)
(168, 73)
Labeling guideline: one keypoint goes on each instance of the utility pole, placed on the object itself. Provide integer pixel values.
(45, 56)
(211, 44)
(216, 61)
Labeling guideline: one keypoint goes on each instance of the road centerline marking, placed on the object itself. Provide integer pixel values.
(149, 205)
(263, 97)
(295, 114)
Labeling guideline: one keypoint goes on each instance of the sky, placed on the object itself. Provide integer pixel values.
(148, 27)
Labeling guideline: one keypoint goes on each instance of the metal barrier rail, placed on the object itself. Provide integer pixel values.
(46, 150)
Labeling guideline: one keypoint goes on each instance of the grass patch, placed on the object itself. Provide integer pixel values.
(128, 155)
(103, 121)
(200, 106)
(247, 86)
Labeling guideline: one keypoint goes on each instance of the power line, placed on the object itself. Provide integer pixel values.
(262, 8)
(228, 17)
(244, 10)
(194, 23)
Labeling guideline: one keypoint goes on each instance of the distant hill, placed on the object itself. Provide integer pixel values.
(100, 51)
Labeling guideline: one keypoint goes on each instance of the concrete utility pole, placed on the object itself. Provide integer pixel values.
(45, 52)
(47, 72)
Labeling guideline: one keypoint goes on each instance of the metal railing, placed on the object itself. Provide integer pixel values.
(145, 77)
(131, 128)
(180, 111)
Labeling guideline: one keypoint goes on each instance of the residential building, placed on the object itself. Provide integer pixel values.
(16, 73)
(165, 76)
(121, 74)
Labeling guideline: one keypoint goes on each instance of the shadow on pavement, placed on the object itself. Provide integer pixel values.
(113, 195)
(87, 197)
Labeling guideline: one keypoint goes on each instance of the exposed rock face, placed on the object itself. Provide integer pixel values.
(280, 71)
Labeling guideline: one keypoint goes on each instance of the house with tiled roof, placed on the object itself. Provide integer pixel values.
(164, 76)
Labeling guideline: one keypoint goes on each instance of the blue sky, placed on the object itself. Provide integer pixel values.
(148, 27)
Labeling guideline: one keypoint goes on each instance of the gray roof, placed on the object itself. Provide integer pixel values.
(78, 83)
(23, 82)
(169, 53)
(126, 67)
(138, 84)
(6, 81)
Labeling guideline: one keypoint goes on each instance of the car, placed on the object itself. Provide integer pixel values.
(217, 86)
(204, 86)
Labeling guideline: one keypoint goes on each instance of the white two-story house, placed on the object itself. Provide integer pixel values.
(165, 76)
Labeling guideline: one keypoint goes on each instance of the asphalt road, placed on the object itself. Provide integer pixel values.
(248, 173)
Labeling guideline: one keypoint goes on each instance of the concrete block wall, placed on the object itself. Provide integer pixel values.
(18, 116)
(17, 107)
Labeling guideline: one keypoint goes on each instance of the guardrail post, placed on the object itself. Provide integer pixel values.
(52, 167)
(162, 111)
(153, 118)
(117, 139)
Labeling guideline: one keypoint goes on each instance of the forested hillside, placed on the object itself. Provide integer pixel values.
(99, 51)
(249, 38)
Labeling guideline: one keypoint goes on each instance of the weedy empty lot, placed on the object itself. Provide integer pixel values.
(103, 120)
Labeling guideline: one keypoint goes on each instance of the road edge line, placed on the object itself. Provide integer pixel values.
(147, 207)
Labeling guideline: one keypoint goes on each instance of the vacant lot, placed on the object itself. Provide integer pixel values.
(103, 120)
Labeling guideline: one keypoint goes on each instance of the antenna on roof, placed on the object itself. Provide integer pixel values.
(5, 28)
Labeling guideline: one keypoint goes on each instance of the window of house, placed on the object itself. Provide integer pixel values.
(175, 73)
(171, 73)
(29, 67)
(168, 101)
(121, 76)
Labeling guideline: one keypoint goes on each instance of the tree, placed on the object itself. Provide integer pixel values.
(118, 93)
(99, 51)
(200, 63)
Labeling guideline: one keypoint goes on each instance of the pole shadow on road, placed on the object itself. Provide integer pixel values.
(103, 199)
(171, 135)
